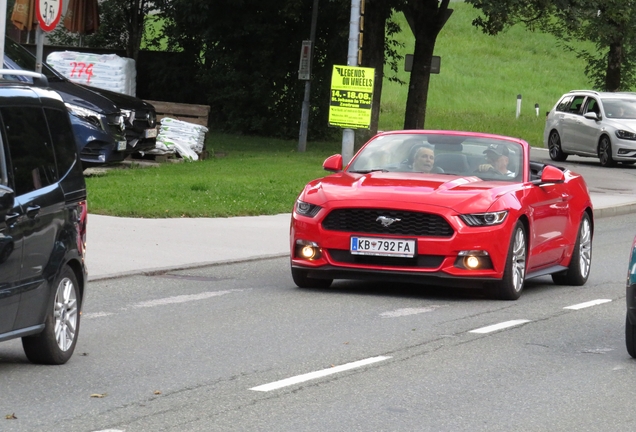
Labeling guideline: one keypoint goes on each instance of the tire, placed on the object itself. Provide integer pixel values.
(302, 281)
(579, 269)
(605, 152)
(56, 343)
(630, 337)
(511, 285)
(554, 147)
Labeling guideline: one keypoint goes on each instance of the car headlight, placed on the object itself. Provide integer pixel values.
(623, 134)
(89, 115)
(306, 209)
(484, 219)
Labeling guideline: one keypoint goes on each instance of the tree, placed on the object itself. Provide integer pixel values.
(379, 48)
(247, 53)
(122, 26)
(608, 24)
(427, 17)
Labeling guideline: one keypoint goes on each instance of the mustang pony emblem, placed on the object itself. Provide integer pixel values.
(386, 221)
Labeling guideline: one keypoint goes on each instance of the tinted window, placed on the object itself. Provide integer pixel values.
(63, 139)
(592, 106)
(576, 104)
(563, 105)
(32, 157)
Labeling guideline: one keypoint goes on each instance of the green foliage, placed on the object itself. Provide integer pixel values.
(247, 56)
(608, 25)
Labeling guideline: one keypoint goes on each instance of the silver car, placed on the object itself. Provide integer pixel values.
(594, 124)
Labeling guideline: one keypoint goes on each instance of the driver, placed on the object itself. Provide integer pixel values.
(497, 157)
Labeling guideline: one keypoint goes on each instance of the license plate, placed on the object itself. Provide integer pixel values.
(382, 247)
(150, 133)
(121, 145)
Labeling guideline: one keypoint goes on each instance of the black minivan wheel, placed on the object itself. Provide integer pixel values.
(56, 343)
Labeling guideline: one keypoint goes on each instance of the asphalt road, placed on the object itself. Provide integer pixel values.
(207, 349)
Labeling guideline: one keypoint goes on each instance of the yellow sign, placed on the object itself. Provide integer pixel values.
(351, 97)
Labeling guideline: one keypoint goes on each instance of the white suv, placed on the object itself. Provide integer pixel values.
(595, 124)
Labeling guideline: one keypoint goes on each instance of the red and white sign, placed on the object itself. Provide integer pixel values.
(48, 13)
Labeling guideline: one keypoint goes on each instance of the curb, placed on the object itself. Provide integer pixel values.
(163, 270)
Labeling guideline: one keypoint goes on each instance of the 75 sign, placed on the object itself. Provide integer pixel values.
(48, 13)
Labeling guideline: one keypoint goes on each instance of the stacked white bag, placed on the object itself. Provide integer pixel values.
(185, 138)
(105, 71)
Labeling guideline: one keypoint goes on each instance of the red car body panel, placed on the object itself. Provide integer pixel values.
(551, 214)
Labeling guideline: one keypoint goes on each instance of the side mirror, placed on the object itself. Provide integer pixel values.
(552, 174)
(7, 198)
(333, 163)
(591, 115)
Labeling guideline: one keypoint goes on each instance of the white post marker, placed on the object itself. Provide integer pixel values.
(536, 109)
(518, 105)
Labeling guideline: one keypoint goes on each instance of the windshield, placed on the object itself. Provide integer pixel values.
(486, 158)
(620, 108)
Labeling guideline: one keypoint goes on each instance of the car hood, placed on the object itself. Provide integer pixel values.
(623, 124)
(84, 97)
(124, 101)
(462, 194)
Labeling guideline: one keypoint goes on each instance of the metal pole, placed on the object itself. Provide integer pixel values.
(348, 135)
(304, 115)
(39, 49)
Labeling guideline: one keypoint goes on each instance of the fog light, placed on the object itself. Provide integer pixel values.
(471, 262)
(308, 252)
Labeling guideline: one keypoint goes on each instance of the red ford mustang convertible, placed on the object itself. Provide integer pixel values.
(446, 208)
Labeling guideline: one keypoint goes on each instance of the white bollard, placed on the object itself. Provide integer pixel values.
(518, 105)
(536, 109)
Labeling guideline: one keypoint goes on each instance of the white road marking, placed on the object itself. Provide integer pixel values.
(499, 326)
(96, 315)
(407, 311)
(163, 302)
(587, 304)
(318, 374)
(181, 299)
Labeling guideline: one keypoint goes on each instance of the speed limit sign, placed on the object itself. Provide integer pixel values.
(48, 13)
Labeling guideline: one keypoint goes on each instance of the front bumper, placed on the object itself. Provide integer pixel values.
(437, 259)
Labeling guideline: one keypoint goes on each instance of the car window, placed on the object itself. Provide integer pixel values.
(592, 106)
(63, 139)
(564, 103)
(620, 108)
(32, 157)
(575, 106)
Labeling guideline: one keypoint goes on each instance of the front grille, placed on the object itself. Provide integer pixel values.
(422, 261)
(366, 221)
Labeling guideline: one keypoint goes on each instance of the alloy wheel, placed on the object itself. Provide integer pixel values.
(518, 260)
(585, 247)
(65, 314)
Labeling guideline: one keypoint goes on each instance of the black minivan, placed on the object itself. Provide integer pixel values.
(43, 216)
(109, 126)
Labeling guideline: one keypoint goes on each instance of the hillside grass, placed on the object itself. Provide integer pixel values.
(476, 90)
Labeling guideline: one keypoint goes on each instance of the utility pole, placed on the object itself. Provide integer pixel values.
(349, 135)
(304, 115)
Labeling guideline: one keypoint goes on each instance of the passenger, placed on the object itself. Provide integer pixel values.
(422, 159)
(498, 159)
